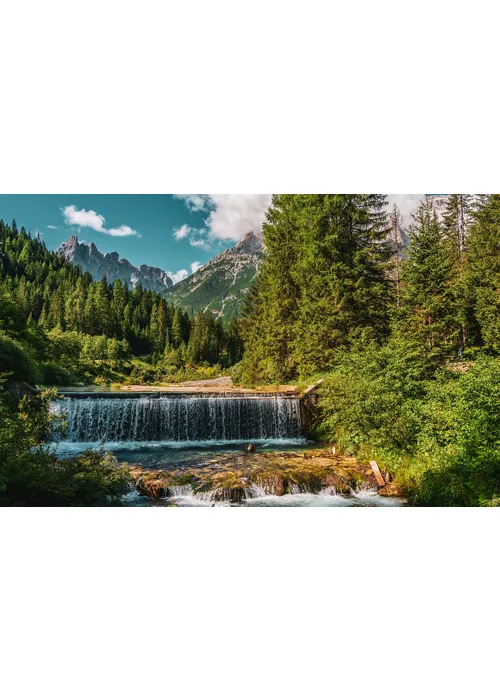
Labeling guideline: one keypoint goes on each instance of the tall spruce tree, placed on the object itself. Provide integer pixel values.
(428, 305)
(343, 264)
(271, 306)
(457, 219)
(483, 259)
(397, 244)
(323, 281)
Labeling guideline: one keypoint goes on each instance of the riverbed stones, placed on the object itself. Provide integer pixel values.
(235, 477)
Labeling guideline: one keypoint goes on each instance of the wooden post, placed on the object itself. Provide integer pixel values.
(378, 476)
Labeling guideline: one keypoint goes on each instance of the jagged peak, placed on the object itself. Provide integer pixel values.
(91, 259)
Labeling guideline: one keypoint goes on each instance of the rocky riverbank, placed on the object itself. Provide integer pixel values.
(234, 478)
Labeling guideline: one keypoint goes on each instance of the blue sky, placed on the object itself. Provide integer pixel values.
(174, 232)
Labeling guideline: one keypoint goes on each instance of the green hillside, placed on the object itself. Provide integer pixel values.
(221, 285)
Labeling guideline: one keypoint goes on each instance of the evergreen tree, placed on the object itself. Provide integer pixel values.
(457, 219)
(323, 281)
(483, 259)
(272, 305)
(397, 245)
(428, 307)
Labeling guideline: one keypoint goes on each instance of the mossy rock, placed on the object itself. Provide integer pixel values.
(152, 487)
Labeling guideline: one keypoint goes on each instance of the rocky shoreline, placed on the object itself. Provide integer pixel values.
(235, 478)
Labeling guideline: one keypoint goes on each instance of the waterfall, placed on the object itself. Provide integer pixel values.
(179, 419)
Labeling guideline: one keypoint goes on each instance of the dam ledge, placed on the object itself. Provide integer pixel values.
(171, 392)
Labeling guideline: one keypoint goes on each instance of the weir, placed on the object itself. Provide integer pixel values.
(168, 418)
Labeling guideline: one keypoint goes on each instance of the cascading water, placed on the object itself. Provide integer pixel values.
(179, 419)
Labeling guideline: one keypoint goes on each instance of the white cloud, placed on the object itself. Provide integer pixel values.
(230, 216)
(200, 243)
(234, 215)
(52, 227)
(121, 231)
(178, 276)
(182, 232)
(194, 202)
(195, 266)
(83, 218)
(93, 220)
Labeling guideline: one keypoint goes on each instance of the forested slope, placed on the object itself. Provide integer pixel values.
(58, 325)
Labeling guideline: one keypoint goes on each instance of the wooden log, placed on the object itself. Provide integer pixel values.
(313, 387)
(376, 471)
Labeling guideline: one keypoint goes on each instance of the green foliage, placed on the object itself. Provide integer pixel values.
(372, 397)
(17, 360)
(31, 475)
(322, 282)
(437, 430)
(428, 308)
(483, 258)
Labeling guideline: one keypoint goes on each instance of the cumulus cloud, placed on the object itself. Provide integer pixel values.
(52, 227)
(178, 276)
(229, 216)
(93, 220)
(201, 243)
(195, 266)
(182, 232)
(194, 202)
(234, 215)
(121, 231)
(83, 218)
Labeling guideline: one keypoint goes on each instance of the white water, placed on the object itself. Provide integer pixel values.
(184, 497)
(187, 420)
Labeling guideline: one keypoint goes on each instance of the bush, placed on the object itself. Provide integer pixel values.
(53, 374)
(438, 431)
(17, 361)
(373, 397)
(31, 475)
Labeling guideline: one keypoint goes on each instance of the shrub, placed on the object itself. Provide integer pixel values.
(17, 361)
(56, 375)
(437, 430)
(30, 474)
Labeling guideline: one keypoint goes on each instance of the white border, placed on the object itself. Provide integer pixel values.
(213, 97)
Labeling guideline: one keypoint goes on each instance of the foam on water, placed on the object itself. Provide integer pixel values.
(184, 497)
(188, 420)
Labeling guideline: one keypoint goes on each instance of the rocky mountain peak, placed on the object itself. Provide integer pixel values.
(221, 285)
(90, 259)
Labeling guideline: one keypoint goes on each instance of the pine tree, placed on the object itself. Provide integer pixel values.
(323, 281)
(271, 306)
(178, 328)
(428, 306)
(343, 268)
(396, 238)
(457, 219)
(483, 258)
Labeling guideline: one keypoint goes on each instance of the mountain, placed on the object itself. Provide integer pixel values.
(221, 284)
(218, 286)
(90, 259)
